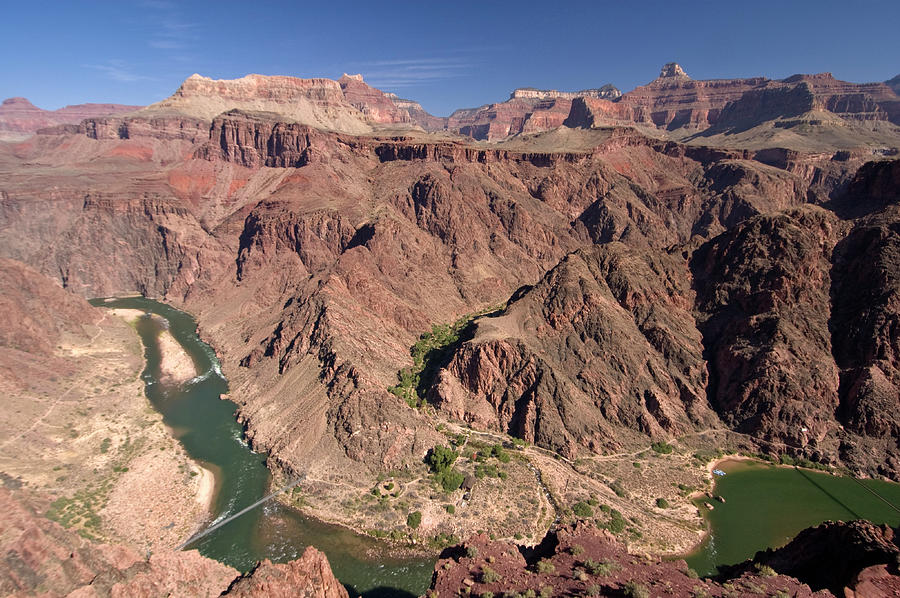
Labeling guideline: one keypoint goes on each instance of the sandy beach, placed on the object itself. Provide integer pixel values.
(129, 315)
(176, 365)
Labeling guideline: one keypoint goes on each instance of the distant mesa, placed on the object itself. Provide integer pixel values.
(19, 118)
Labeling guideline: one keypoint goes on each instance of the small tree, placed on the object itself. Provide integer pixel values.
(414, 519)
(441, 458)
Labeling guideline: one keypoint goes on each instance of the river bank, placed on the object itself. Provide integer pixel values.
(81, 431)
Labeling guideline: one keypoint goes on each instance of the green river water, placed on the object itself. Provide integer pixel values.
(206, 426)
(765, 506)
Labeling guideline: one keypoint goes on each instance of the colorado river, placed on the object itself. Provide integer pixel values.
(765, 506)
(206, 426)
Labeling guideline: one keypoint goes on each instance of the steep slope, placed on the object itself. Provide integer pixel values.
(602, 347)
(42, 558)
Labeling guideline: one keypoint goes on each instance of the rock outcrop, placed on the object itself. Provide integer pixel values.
(856, 559)
(579, 560)
(603, 346)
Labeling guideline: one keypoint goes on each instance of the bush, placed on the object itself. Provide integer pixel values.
(441, 458)
(636, 590)
(765, 570)
(617, 523)
(546, 591)
(662, 503)
(576, 549)
(692, 574)
(450, 509)
(618, 489)
(593, 590)
(450, 480)
(487, 595)
(414, 519)
(546, 567)
(488, 575)
(472, 552)
(663, 448)
(603, 568)
(582, 510)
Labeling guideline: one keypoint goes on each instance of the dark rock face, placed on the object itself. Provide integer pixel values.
(582, 561)
(763, 296)
(603, 346)
(848, 559)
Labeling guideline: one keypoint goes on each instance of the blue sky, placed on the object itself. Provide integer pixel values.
(446, 55)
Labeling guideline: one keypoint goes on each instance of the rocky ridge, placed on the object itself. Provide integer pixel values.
(580, 560)
(19, 118)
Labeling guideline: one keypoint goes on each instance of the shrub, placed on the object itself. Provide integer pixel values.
(487, 595)
(488, 575)
(472, 552)
(691, 573)
(414, 519)
(450, 509)
(582, 510)
(546, 591)
(603, 568)
(593, 590)
(662, 503)
(636, 590)
(545, 566)
(576, 549)
(663, 448)
(765, 570)
(618, 489)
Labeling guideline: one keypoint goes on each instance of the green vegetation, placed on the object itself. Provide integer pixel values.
(618, 489)
(662, 503)
(602, 568)
(662, 448)
(430, 353)
(616, 523)
(582, 510)
(546, 591)
(449, 480)
(441, 458)
(472, 552)
(414, 519)
(765, 570)
(450, 509)
(636, 590)
(576, 549)
(488, 575)
(104, 445)
(546, 567)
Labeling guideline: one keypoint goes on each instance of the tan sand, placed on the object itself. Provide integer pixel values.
(129, 315)
(176, 365)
